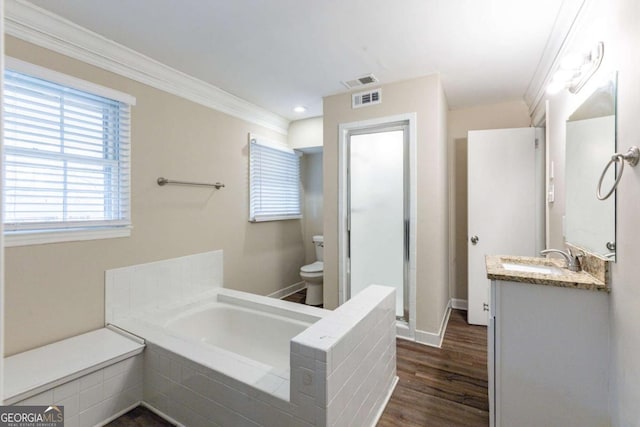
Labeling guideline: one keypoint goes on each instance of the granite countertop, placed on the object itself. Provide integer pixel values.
(566, 278)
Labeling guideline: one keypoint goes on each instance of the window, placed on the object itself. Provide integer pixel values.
(274, 175)
(66, 157)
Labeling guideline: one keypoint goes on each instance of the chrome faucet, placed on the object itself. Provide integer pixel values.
(573, 261)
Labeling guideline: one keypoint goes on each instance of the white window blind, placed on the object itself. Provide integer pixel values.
(274, 182)
(66, 157)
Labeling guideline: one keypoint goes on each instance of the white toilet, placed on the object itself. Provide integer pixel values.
(312, 274)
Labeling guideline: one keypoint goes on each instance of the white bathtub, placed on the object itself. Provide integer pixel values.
(220, 357)
(263, 337)
(243, 336)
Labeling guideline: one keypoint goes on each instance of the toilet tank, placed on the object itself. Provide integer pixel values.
(318, 242)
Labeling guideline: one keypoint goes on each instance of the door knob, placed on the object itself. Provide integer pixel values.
(475, 240)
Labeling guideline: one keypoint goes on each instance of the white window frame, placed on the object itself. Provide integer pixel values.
(43, 236)
(253, 186)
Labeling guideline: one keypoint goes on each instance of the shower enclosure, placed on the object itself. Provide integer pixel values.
(376, 208)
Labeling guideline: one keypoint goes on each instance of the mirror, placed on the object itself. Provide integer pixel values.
(590, 142)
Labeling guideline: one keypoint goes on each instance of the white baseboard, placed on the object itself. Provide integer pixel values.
(403, 331)
(435, 339)
(161, 414)
(285, 292)
(459, 304)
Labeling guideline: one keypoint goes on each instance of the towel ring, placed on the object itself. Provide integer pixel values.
(631, 156)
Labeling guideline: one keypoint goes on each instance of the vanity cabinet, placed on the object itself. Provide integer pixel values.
(548, 356)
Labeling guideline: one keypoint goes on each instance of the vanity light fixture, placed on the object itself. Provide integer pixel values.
(575, 70)
(299, 109)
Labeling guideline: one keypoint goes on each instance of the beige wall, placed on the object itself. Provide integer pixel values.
(312, 222)
(425, 97)
(617, 23)
(55, 291)
(305, 133)
(493, 116)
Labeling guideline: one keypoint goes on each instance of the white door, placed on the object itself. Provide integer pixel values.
(504, 203)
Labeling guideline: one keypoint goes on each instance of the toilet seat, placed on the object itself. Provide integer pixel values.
(315, 267)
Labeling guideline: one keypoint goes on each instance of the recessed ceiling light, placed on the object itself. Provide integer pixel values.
(299, 109)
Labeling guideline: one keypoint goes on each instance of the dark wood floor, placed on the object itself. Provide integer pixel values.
(299, 297)
(438, 386)
(139, 417)
(442, 386)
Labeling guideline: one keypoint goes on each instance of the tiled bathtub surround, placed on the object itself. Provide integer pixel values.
(342, 371)
(335, 367)
(345, 364)
(130, 290)
(95, 398)
(96, 376)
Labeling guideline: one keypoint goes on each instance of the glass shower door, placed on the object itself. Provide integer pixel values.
(378, 218)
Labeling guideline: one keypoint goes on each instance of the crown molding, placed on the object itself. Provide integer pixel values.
(568, 20)
(43, 28)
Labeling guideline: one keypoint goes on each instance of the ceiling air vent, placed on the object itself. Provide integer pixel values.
(364, 99)
(360, 81)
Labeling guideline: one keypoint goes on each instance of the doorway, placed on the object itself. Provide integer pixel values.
(377, 199)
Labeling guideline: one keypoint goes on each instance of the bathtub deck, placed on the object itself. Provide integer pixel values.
(437, 387)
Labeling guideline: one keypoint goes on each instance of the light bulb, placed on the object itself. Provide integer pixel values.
(573, 61)
(556, 86)
(564, 75)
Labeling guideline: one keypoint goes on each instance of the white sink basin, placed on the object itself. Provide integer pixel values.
(528, 268)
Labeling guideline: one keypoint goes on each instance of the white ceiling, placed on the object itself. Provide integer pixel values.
(281, 53)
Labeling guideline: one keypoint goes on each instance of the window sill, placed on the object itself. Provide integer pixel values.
(275, 218)
(28, 238)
